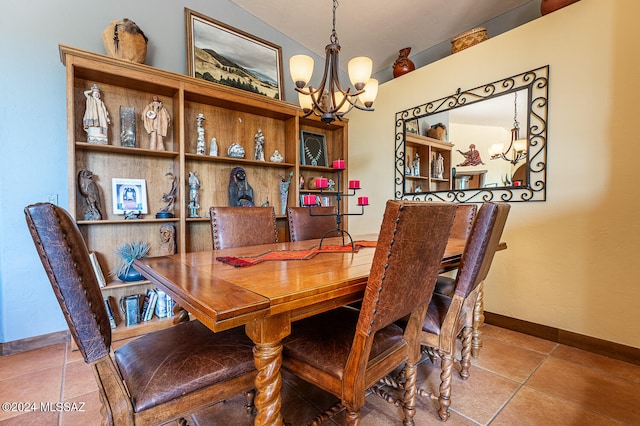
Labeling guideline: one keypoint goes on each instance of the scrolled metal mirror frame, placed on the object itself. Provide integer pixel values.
(536, 82)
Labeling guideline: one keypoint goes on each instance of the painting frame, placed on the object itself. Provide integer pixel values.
(129, 195)
(258, 60)
(313, 149)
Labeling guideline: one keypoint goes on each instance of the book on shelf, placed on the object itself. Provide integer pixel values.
(112, 320)
(153, 298)
(145, 304)
(164, 305)
(97, 270)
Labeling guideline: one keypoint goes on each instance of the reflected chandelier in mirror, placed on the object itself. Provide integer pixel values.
(426, 167)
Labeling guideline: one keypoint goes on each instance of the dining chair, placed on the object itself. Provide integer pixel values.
(304, 226)
(450, 317)
(159, 377)
(345, 351)
(445, 284)
(242, 226)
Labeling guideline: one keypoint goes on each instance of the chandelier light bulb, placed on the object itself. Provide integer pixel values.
(360, 69)
(305, 102)
(370, 92)
(301, 69)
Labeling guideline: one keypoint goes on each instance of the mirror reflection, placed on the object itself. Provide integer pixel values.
(476, 145)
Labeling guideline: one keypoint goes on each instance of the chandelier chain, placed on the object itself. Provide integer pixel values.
(334, 36)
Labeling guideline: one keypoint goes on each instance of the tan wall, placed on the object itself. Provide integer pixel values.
(572, 261)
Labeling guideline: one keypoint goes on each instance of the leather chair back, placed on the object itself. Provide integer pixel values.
(462, 223)
(405, 263)
(481, 247)
(65, 258)
(303, 226)
(242, 226)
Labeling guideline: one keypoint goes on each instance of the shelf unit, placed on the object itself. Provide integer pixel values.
(231, 115)
(427, 148)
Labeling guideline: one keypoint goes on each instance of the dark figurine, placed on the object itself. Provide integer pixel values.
(91, 194)
(169, 198)
(240, 192)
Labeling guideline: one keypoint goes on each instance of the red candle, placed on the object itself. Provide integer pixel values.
(322, 183)
(354, 184)
(363, 201)
(309, 200)
(338, 164)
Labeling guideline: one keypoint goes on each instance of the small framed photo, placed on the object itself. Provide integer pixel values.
(313, 149)
(412, 126)
(129, 195)
(226, 55)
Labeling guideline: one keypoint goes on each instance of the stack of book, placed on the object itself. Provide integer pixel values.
(158, 302)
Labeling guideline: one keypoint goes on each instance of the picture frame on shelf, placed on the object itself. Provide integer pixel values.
(412, 126)
(313, 149)
(222, 54)
(129, 195)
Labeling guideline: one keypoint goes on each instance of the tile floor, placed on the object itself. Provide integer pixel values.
(517, 380)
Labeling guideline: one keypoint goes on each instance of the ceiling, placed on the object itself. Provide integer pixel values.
(375, 29)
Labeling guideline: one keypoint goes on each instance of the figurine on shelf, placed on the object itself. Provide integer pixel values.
(167, 240)
(284, 192)
(194, 186)
(91, 194)
(331, 185)
(169, 198)
(235, 151)
(240, 192)
(96, 118)
(156, 121)
(416, 165)
(258, 144)
(437, 167)
(276, 157)
(301, 182)
(200, 146)
(213, 148)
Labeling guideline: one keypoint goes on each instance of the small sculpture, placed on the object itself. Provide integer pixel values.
(213, 148)
(240, 192)
(125, 40)
(258, 144)
(194, 186)
(156, 121)
(91, 194)
(284, 192)
(415, 164)
(301, 182)
(437, 131)
(403, 64)
(127, 126)
(169, 198)
(200, 146)
(276, 157)
(331, 185)
(96, 118)
(167, 240)
(471, 157)
(235, 151)
(437, 167)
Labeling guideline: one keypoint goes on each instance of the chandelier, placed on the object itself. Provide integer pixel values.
(330, 101)
(517, 149)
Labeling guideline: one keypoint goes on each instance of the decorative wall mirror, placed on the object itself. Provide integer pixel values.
(484, 144)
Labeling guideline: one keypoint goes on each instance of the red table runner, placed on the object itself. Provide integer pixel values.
(292, 254)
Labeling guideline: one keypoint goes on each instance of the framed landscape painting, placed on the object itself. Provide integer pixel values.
(222, 54)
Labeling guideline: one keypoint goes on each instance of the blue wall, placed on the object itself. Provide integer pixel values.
(33, 138)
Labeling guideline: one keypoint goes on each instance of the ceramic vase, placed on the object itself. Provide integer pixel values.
(403, 64)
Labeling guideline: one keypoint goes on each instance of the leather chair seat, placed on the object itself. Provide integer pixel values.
(310, 339)
(445, 285)
(437, 312)
(146, 363)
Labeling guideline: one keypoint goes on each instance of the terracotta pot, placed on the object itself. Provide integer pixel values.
(403, 64)
(548, 6)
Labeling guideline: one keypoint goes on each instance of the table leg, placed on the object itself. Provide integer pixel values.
(267, 334)
(478, 321)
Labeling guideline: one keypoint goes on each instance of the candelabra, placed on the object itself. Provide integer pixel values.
(310, 201)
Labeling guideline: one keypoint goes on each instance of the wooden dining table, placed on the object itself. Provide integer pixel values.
(267, 297)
